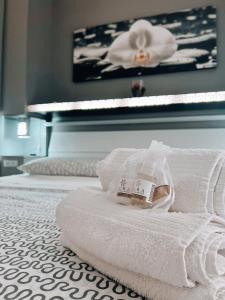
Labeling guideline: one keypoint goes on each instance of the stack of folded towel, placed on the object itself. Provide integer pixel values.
(198, 177)
(162, 255)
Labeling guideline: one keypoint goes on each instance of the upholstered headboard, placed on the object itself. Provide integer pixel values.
(96, 139)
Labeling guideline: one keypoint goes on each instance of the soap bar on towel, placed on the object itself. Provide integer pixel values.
(199, 183)
(144, 180)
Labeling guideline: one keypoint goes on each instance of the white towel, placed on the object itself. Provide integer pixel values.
(195, 173)
(109, 167)
(165, 246)
(146, 286)
(219, 193)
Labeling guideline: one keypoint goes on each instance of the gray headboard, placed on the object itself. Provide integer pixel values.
(96, 139)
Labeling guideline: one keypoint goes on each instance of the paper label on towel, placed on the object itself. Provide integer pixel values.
(125, 187)
(141, 189)
(144, 189)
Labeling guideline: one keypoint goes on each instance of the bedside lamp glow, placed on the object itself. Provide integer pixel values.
(23, 129)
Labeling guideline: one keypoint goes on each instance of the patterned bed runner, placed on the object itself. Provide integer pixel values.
(33, 263)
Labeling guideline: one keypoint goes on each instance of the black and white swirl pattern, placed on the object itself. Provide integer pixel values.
(33, 263)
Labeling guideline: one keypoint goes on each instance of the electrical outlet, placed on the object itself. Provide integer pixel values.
(10, 163)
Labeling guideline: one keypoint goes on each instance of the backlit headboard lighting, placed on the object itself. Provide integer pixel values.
(129, 102)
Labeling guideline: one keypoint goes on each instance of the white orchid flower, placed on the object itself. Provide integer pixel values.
(144, 45)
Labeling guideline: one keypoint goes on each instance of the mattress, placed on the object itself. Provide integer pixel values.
(48, 182)
(33, 263)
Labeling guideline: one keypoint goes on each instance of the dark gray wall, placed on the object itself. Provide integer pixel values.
(39, 53)
(27, 54)
(72, 14)
(15, 56)
(1, 45)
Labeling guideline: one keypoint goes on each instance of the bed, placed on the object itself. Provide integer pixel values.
(33, 263)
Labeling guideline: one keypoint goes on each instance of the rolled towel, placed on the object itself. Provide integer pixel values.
(164, 246)
(109, 167)
(148, 287)
(219, 193)
(195, 174)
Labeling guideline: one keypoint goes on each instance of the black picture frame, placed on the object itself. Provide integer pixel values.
(105, 51)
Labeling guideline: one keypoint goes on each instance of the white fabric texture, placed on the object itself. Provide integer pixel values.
(151, 164)
(146, 286)
(33, 263)
(164, 246)
(110, 166)
(219, 194)
(197, 177)
(195, 173)
(61, 166)
(69, 183)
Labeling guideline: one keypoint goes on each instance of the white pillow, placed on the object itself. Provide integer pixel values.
(61, 166)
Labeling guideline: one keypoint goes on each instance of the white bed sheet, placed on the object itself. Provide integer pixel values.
(48, 182)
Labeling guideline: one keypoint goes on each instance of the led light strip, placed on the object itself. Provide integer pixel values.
(129, 102)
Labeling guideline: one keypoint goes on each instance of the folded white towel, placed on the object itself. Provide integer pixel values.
(146, 286)
(165, 246)
(219, 193)
(109, 167)
(195, 173)
(197, 177)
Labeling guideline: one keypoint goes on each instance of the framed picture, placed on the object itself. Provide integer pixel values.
(179, 41)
